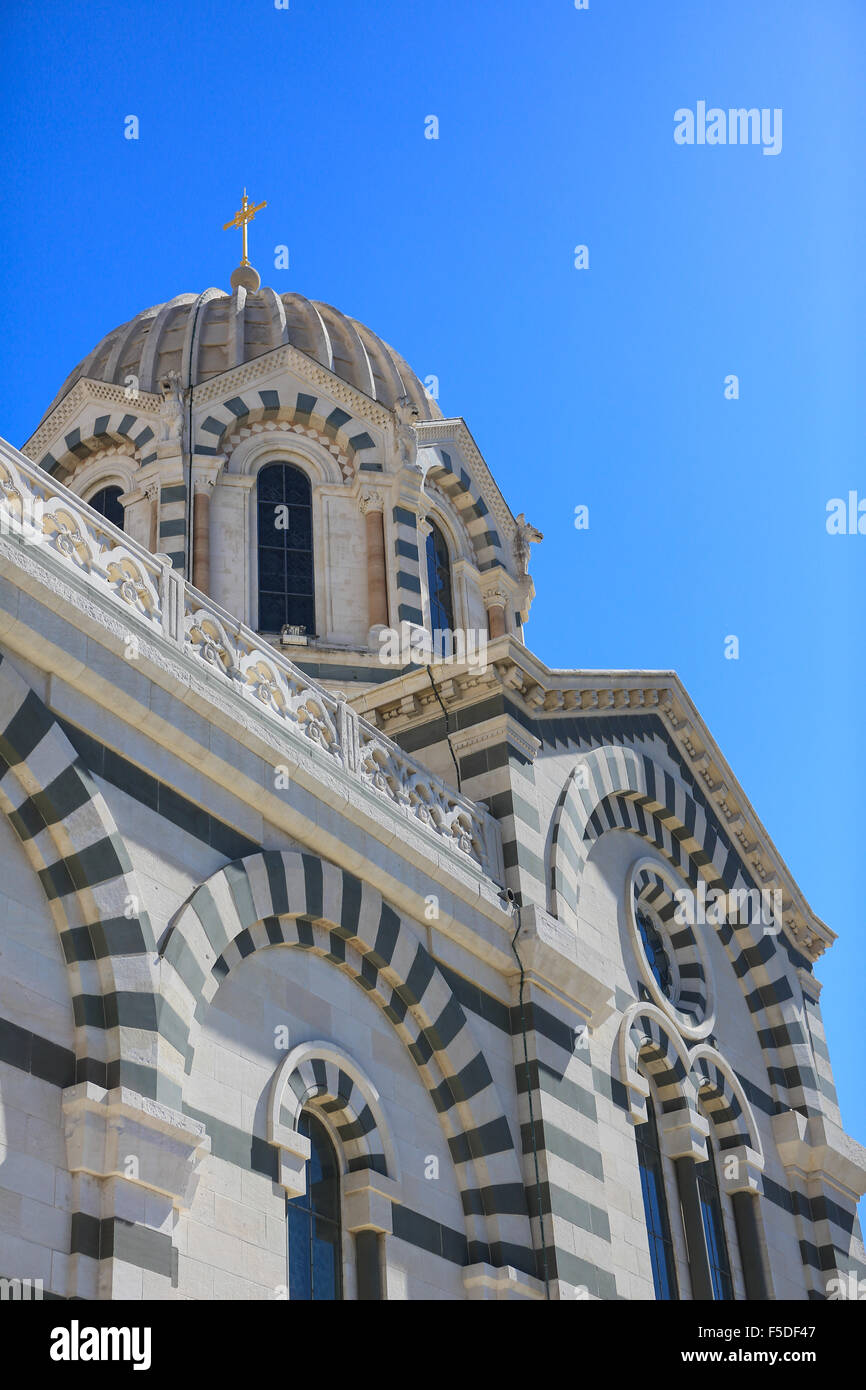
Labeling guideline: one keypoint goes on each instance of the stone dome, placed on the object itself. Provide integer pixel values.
(231, 329)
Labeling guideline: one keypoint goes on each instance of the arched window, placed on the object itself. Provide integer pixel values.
(285, 545)
(107, 502)
(714, 1226)
(439, 582)
(655, 1205)
(315, 1242)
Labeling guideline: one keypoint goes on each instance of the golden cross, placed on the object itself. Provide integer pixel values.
(244, 215)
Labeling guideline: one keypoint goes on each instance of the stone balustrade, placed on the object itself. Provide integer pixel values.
(38, 511)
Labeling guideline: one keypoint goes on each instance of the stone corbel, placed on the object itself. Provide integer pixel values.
(551, 954)
(122, 1134)
(683, 1134)
(294, 1152)
(747, 1166)
(817, 1148)
(505, 1283)
(368, 1202)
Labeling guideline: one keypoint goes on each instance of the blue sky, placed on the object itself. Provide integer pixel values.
(602, 387)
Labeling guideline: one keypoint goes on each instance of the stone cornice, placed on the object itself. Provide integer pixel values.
(87, 391)
(816, 1148)
(554, 959)
(543, 693)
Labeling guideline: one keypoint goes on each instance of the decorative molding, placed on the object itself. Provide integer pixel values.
(455, 431)
(85, 392)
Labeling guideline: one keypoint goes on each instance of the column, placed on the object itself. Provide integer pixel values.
(152, 494)
(683, 1138)
(368, 1200)
(372, 506)
(826, 1171)
(740, 1177)
(494, 602)
(202, 488)
(497, 592)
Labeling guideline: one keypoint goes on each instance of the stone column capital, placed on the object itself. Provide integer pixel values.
(370, 500)
(494, 596)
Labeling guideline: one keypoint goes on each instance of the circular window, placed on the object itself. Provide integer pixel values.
(671, 957)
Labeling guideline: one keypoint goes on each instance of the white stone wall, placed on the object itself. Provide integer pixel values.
(602, 921)
(233, 1242)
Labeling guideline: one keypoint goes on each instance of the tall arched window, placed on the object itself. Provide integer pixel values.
(714, 1226)
(655, 1205)
(315, 1242)
(285, 546)
(439, 581)
(107, 502)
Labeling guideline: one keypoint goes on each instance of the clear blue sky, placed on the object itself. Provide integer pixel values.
(603, 387)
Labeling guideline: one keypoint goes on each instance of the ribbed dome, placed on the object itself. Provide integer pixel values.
(231, 329)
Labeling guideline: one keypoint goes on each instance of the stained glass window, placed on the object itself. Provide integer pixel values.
(439, 582)
(655, 1207)
(285, 546)
(315, 1259)
(714, 1226)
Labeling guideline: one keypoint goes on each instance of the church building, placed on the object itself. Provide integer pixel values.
(346, 950)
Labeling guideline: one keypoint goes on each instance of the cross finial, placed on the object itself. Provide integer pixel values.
(244, 214)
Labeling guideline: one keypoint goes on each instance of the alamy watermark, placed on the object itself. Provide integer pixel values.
(734, 126)
(413, 645)
(21, 1289)
(740, 906)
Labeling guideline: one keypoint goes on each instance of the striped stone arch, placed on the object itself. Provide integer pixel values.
(80, 858)
(295, 899)
(120, 427)
(320, 1075)
(466, 498)
(723, 1099)
(693, 998)
(616, 788)
(649, 1042)
(309, 414)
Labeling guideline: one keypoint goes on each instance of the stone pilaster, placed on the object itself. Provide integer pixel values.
(135, 1166)
(372, 506)
(826, 1170)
